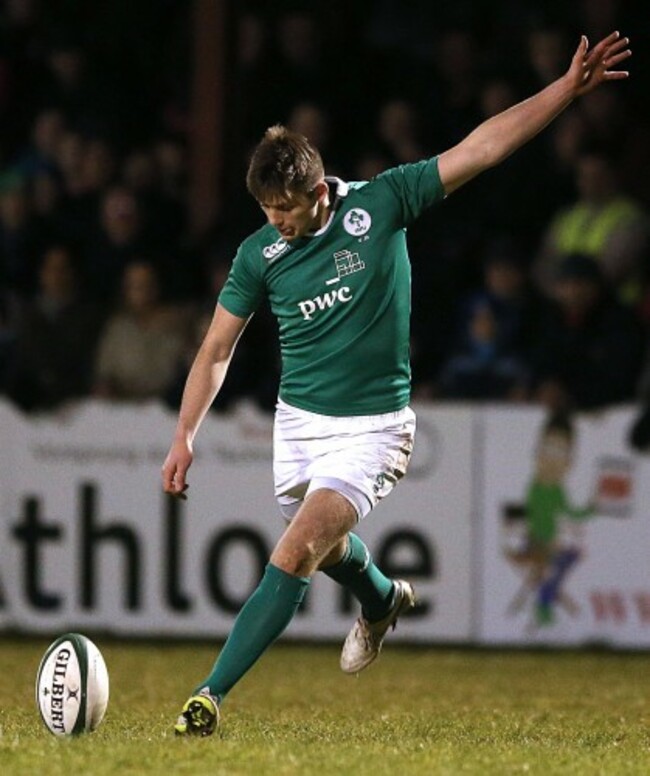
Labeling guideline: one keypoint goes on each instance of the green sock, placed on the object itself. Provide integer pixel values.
(357, 572)
(261, 620)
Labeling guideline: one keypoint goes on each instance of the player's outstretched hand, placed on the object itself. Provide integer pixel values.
(174, 470)
(592, 67)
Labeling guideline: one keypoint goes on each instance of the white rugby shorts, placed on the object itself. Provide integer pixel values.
(361, 457)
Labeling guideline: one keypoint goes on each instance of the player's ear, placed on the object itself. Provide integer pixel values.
(321, 190)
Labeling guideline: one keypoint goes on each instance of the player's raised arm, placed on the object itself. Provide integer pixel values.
(495, 139)
(203, 383)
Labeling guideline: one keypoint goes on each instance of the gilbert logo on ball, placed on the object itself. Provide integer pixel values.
(72, 686)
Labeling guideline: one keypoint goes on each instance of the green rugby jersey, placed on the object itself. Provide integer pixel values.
(342, 296)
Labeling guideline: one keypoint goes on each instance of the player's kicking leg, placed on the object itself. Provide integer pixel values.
(382, 601)
(364, 641)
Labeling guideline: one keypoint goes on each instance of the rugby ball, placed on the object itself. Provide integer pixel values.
(72, 686)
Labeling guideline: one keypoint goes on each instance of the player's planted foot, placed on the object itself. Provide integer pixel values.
(199, 716)
(364, 641)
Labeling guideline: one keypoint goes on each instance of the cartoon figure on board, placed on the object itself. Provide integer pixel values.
(547, 527)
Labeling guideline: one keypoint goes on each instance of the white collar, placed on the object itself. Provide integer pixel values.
(341, 189)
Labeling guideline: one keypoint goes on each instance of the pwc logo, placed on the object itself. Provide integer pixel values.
(323, 302)
(346, 263)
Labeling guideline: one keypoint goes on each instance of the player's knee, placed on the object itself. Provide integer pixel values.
(335, 555)
(299, 561)
(296, 567)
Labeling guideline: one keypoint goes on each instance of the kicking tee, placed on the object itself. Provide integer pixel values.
(342, 296)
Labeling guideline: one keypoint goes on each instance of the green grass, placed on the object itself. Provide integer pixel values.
(417, 711)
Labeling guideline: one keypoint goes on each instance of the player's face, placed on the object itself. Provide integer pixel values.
(294, 215)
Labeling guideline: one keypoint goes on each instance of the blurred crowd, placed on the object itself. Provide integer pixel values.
(531, 284)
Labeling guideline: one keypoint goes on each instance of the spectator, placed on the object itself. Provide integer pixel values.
(611, 123)
(19, 245)
(41, 153)
(480, 367)
(547, 53)
(21, 39)
(456, 54)
(590, 346)
(525, 215)
(399, 132)
(163, 215)
(567, 138)
(171, 161)
(495, 333)
(298, 66)
(46, 199)
(89, 168)
(69, 159)
(369, 164)
(254, 372)
(256, 107)
(603, 223)
(55, 339)
(603, 15)
(98, 166)
(142, 342)
(313, 121)
(68, 86)
(116, 240)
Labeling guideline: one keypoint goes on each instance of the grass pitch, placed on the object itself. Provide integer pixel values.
(417, 711)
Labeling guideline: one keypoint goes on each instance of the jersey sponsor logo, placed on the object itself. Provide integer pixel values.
(357, 222)
(346, 263)
(274, 251)
(308, 307)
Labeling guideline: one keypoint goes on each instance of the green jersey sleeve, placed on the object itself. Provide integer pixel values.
(415, 187)
(244, 289)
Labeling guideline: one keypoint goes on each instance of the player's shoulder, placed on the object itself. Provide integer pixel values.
(355, 186)
(427, 166)
(368, 194)
(352, 194)
(262, 245)
(414, 184)
(393, 177)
